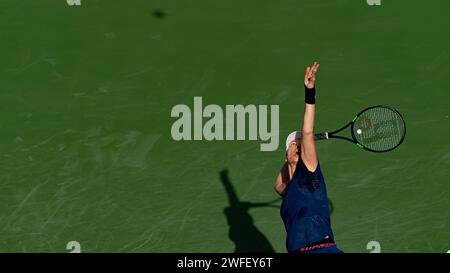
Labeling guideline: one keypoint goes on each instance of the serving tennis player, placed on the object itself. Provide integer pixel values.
(305, 211)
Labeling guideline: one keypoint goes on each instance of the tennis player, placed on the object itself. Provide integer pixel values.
(305, 211)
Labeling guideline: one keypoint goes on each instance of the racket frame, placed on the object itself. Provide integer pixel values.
(328, 135)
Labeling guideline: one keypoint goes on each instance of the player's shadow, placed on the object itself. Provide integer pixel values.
(243, 232)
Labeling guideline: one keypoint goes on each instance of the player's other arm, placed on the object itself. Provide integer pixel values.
(308, 149)
(282, 179)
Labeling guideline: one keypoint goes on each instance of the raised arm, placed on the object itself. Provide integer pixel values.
(308, 149)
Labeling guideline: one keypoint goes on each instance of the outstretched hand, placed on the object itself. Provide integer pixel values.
(310, 75)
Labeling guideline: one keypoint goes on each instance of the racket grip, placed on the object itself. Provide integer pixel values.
(321, 136)
(318, 136)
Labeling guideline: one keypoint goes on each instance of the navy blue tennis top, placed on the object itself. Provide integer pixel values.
(305, 211)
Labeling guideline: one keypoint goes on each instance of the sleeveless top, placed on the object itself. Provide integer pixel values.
(304, 210)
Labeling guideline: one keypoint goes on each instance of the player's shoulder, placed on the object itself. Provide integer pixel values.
(312, 167)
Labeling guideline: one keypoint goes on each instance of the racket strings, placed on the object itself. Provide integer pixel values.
(379, 129)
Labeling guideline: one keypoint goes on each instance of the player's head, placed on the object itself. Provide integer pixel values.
(292, 147)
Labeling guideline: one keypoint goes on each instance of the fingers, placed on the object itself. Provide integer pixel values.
(308, 71)
(307, 74)
(315, 67)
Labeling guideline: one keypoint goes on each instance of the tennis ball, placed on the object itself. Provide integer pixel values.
(359, 131)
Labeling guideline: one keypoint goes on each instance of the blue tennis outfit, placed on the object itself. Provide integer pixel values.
(305, 211)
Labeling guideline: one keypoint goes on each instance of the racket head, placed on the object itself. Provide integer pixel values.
(379, 128)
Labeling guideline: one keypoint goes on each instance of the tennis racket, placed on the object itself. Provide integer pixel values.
(377, 129)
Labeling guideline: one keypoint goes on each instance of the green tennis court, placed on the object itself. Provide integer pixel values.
(87, 155)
